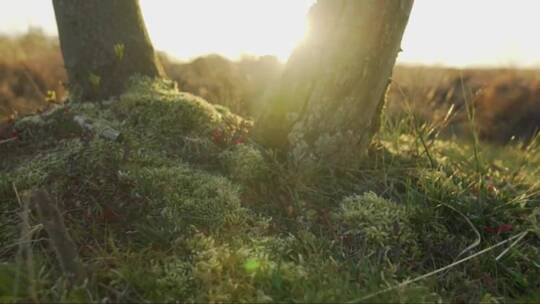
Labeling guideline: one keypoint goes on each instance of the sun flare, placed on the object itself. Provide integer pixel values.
(232, 28)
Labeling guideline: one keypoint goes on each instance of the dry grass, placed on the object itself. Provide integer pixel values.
(506, 101)
(31, 68)
(236, 85)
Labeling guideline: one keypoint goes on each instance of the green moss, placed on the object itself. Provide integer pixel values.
(291, 269)
(74, 167)
(34, 173)
(83, 177)
(369, 224)
(155, 113)
(244, 164)
(156, 104)
(54, 125)
(147, 278)
(243, 271)
(185, 197)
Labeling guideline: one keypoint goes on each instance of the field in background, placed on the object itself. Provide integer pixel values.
(31, 69)
(504, 103)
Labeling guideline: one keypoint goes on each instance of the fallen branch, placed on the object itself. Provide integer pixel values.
(65, 248)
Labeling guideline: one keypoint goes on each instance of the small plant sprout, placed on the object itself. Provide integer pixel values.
(51, 96)
(119, 50)
(95, 80)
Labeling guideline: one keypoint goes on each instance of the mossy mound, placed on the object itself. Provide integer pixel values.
(184, 197)
(156, 114)
(103, 180)
(151, 115)
(173, 115)
(244, 164)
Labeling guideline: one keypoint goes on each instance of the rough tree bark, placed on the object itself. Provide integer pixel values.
(327, 106)
(104, 43)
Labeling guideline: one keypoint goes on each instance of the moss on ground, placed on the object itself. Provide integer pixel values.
(183, 206)
(185, 197)
(370, 225)
(244, 164)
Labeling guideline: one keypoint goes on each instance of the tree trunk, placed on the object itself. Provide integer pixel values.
(328, 104)
(104, 43)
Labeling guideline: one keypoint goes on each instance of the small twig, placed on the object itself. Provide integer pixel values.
(61, 241)
(17, 194)
(408, 282)
(5, 141)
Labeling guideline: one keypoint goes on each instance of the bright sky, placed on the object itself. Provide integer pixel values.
(446, 32)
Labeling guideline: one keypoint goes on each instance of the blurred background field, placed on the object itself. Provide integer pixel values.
(504, 102)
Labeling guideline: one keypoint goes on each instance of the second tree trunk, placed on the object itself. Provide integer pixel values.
(329, 102)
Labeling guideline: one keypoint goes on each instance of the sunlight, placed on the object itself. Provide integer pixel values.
(452, 33)
(473, 33)
(231, 28)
